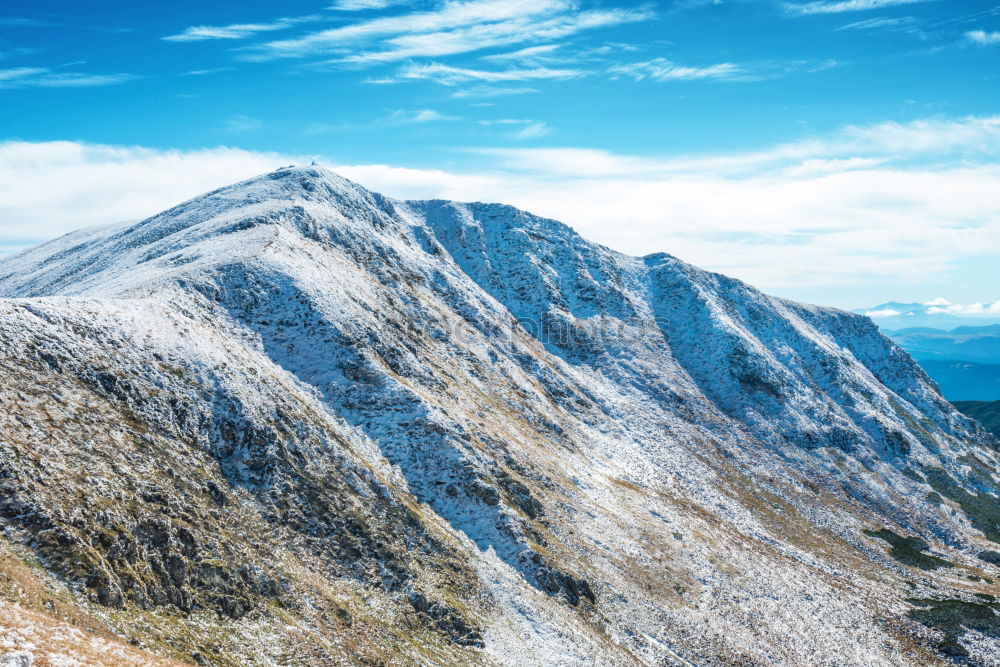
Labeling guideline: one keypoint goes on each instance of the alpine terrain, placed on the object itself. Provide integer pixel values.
(295, 422)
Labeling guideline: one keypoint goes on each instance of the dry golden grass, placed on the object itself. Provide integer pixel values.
(54, 642)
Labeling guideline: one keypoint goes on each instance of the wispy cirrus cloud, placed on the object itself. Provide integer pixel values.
(453, 28)
(540, 53)
(361, 5)
(197, 33)
(882, 22)
(43, 77)
(17, 52)
(450, 76)
(396, 118)
(531, 131)
(983, 37)
(203, 72)
(21, 22)
(838, 6)
(526, 127)
(661, 69)
(417, 116)
(485, 90)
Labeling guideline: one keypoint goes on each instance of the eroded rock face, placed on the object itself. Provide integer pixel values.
(132, 479)
(296, 415)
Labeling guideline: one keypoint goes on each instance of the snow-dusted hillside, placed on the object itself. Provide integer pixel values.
(295, 422)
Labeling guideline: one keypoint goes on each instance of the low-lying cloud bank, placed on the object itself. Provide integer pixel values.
(882, 205)
(971, 309)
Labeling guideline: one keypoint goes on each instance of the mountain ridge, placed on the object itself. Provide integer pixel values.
(534, 436)
(264, 201)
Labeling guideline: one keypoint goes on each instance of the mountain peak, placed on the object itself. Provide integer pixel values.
(302, 183)
(308, 179)
(227, 224)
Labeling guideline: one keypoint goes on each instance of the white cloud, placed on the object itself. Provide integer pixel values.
(872, 24)
(449, 76)
(20, 73)
(887, 312)
(661, 69)
(506, 121)
(527, 54)
(492, 91)
(983, 37)
(907, 215)
(838, 6)
(17, 51)
(50, 188)
(847, 150)
(454, 27)
(449, 16)
(197, 33)
(402, 116)
(43, 77)
(316, 129)
(361, 5)
(530, 129)
(971, 135)
(203, 72)
(939, 301)
(968, 309)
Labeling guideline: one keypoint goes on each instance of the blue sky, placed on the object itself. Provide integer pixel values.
(835, 151)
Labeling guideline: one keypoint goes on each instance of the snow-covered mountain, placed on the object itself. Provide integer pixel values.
(293, 421)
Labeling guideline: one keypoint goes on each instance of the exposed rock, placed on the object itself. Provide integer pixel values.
(17, 659)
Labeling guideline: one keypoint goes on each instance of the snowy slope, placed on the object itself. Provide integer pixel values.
(558, 454)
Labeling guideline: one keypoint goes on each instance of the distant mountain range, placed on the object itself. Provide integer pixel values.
(965, 343)
(894, 315)
(961, 354)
